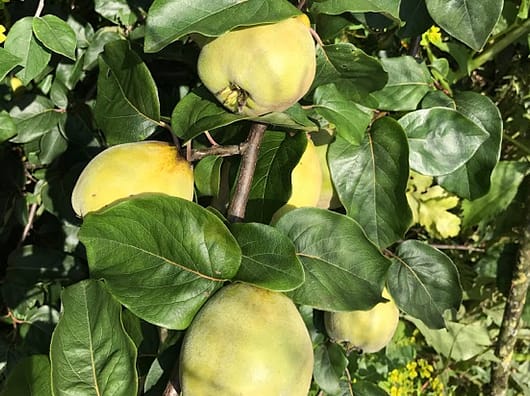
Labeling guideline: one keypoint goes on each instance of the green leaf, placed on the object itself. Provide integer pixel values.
(169, 20)
(8, 62)
(354, 72)
(31, 376)
(469, 21)
(35, 119)
(56, 35)
(505, 181)
(371, 180)
(408, 82)
(117, 11)
(97, 45)
(160, 256)
(90, 352)
(459, 341)
(271, 185)
(472, 180)
(207, 174)
(23, 44)
(330, 363)
(349, 119)
(441, 140)
(344, 270)
(335, 7)
(269, 258)
(51, 146)
(424, 282)
(127, 105)
(415, 16)
(8, 128)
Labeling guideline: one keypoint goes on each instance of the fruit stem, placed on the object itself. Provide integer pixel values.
(238, 205)
(220, 151)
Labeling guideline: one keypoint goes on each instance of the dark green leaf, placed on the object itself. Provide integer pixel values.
(271, 185)
(97, 44)
(344, 270)
(8, 129)
(8, 62)
(35, 119)
(161, 256)
(415, 16)
(37, 327)
(371, 179)
(59, 94)
(269, 257)
(335, 7)
(367, 388)
(408, 82)
(52, 145)
(441, 140)
(91, 354)
(31, 376)
(22, 43)
(424, 282)
(127, 105)
(117, 11)
(56, 35)
(169, 20)
(207, 173)
(472, 180)
(330, 363)
(469, 21)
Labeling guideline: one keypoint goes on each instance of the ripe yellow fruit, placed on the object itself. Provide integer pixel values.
(306, 182)
(368, 331)
(246, 341)
(259, 69)
(129, 169)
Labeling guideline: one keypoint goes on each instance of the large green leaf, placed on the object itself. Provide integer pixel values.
(8, 62)
(22, 43)
(127, 105)
(469, 21)
(424, 282)
(271, 184)
(31, 376)
(330, 363)
(353, 71)
(169, 20)
(8, 129)
(56, 35)
(408, 82)
(371, 179)
(344, 270)
(335, 7)
(269, 257)
(160, 256)
(441, 140)
(472, 180)
(349, 119)
(91, 354)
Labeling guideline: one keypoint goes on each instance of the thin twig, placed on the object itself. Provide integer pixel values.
(237, 208)
(29, 224)
(457, 247)
(220, 151)
(40, 7)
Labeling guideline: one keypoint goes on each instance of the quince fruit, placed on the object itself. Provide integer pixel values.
(368, 331)
(246, 341)
(129, 169)
(259, 69)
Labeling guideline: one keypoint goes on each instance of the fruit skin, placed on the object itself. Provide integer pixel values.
(259, 69)
(129, 169)
(246, 341)
(306, 182)
(368, 331)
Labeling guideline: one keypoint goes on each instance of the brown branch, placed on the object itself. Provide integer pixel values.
(236, 210)
(29, 224)
(221, 151)
(511, 320)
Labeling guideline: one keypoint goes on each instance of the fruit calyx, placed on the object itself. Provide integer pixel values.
(235, 98)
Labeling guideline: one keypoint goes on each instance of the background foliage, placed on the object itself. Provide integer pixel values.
(423, 106)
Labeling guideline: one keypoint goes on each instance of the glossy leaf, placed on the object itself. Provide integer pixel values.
(371, 179)
(416, 19)
(269, 257)
(22, 43)
(344, 270)
(335, 7)
(169, 20)
(97, 45)
(31, 376)
(90, 352)
(472, 180)
(408, 82)
(271, 184)
(8, 129)
(207, 174)
(127, 105)
(330, 363)
(56, 35)
(424, 282)
(469, 21)
(441, 140)
(160, 256)
(8, 62)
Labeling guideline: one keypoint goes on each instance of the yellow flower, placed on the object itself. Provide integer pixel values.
(433, 35)
(2, 35)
